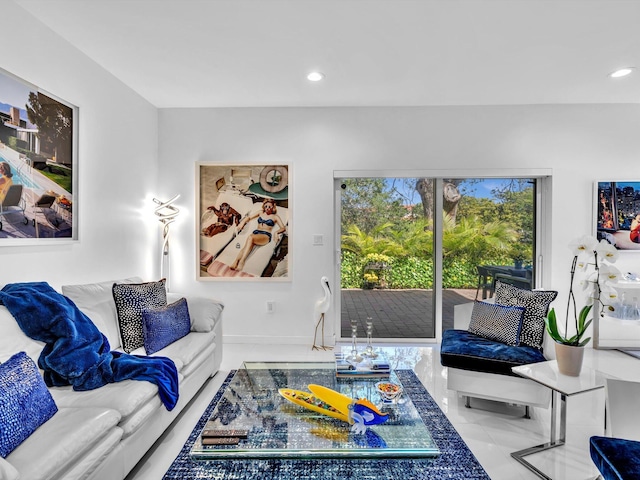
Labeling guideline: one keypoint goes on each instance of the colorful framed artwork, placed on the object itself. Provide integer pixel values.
(617, 212)
(38, 165)
(243, 222)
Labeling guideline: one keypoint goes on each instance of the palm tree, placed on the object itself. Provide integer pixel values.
(476, 240)
(362, 244)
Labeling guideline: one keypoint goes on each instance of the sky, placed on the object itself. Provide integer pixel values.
(14, 92)
(481, 189)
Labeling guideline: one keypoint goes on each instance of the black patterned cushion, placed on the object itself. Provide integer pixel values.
(131, 300)
(165, 325)
(497, 322)
(536, 304)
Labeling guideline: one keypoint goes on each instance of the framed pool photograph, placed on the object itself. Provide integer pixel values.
(617, 212)
(243, 222)
(38, 165)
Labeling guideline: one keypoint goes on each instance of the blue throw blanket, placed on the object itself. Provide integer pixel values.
(76, 352)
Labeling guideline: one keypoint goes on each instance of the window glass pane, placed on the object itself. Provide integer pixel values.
(387, 258)
(387, 249)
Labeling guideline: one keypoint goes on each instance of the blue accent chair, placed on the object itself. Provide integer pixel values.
(617, 456)
(481, 368)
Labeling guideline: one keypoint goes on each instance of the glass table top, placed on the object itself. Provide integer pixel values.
(277, 428)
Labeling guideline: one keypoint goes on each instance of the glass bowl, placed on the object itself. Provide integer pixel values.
(389, 391)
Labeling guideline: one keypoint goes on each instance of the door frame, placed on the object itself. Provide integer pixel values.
(543, 223)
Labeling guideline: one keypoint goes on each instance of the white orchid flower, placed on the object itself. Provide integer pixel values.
(608, 294)
(588, 283)
(582, 265)
(609, 274)
(585, 244)
(606, 251)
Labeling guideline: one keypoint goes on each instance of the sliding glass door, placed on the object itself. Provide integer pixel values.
(411, 249)
(386, 258)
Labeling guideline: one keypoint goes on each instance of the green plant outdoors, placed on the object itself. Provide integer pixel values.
(408, 252)
(61, 176)
(382, 218)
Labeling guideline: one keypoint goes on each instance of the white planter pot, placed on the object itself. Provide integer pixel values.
(569, 359)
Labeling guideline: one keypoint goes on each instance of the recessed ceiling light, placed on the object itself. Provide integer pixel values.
(623, 72)
(315, 76)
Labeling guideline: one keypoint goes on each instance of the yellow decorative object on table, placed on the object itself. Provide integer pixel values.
(359, 413)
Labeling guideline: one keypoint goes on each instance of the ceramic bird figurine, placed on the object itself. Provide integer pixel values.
(321, 307)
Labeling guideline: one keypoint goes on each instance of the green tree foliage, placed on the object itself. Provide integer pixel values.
(368, 203)
(515, 207)
(484, 209)
(476, 240)
(54, 121)
(486, 232)
(379, 241)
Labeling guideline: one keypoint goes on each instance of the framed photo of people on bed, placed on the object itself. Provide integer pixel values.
(617, 212)
(243, 222)
(38, 165)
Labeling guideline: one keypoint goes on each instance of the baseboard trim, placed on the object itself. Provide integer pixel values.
(266, 340)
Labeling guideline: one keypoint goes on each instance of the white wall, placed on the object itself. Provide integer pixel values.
(580, 143)
(121, 136)
(117, 162)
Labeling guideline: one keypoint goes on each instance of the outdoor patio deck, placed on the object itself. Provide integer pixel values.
(13, 225)
(398, 313)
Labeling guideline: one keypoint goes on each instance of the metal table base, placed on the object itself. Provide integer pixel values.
(553, 442)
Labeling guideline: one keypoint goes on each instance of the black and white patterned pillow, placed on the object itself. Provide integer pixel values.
(497, 322)
(131, 300)
(536, 304)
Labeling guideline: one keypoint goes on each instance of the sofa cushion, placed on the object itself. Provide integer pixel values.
(8, 471)
(185, 350)
(536, 304)
(126, 397)
(131, 300)
(132, 423)
(94, 458)
(96, 302)
(616, 458)
(13, 339)
(208, 354)
(25, 401)
(204, 312)
(467, 351)
(497, 322)
(62, 441)
(163, 326)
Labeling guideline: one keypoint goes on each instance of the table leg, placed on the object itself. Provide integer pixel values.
(553, 440)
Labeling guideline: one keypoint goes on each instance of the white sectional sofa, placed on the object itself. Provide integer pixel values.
(102, 434)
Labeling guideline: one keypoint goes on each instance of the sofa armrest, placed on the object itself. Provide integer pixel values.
(8, 471)
(205, 312)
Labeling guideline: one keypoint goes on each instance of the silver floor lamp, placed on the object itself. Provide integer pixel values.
(167, 214)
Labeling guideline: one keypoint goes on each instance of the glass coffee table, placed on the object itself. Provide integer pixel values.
(277, 428)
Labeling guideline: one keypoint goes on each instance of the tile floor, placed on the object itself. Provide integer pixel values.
(492, 432)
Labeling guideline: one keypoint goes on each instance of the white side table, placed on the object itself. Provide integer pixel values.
(547, 374)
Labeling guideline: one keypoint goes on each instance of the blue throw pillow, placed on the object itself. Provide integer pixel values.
(497, 322)
(25, 402)
(163, 326)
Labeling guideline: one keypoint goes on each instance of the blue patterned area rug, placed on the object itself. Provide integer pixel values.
(455, 462)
